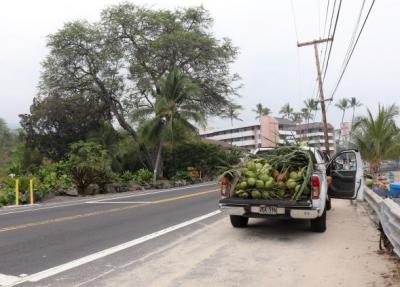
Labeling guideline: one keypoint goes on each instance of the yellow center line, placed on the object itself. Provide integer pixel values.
(89, 214)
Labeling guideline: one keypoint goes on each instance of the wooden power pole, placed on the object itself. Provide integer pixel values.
(321, 89)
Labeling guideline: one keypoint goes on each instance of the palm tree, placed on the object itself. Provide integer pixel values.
(233, 112)
(297, 117)
(343, 105)
(173, 110)
(354, 103)
(312, 106)
(286, 111)
(377, 138)
(261, 111)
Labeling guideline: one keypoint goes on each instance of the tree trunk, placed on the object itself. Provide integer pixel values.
(117, 111)
(341, 123)
(157, 163)
(352, 123)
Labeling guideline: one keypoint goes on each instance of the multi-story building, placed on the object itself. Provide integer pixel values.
(313, 134)
(270, 131)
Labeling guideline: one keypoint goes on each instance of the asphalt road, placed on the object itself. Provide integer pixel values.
(49, 240)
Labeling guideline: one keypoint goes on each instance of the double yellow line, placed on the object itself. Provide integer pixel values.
(89, 214)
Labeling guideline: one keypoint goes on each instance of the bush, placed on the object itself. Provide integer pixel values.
(182, 175)
(206, 158)
(88, 163)
(143, 175)
(128, 176)
(51, 177)
(7, 192)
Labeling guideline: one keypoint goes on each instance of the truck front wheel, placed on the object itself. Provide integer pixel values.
(319, 224)
(239, 221)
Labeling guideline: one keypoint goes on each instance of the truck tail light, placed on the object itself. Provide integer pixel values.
(224, 187)
(315, 186)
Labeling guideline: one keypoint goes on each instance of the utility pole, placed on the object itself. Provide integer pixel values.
(321, 89)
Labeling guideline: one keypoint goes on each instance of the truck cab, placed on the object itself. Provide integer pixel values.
(340, 177)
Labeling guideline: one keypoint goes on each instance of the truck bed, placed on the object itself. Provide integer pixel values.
(235, 201)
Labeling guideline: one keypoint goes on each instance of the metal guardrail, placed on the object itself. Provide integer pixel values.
(388, 215)
(390, 220)
(373, 200)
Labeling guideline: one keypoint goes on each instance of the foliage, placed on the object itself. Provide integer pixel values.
(122, 59)
(8, 141)
(297, 117)
(207, 158)
(377, 137)
(233, 113)
(56, 121)
(143, 175)
(51, 177)
(88, 163)
(353, 104)
(175, 108)
(286, 111)
(182, 175)
(261, 111)
(127, 175)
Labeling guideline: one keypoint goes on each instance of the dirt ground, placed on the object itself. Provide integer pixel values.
(272, 253)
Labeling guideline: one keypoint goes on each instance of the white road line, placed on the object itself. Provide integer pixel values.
(89, 258)
(8, 280)
(100, 202)
(83, 201)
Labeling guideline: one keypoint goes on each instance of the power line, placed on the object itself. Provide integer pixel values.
(333, 37)
(326, 16)
(353, 36)
(352, 50)
(294, 21)
(329, 33)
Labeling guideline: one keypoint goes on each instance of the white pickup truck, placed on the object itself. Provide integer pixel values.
(346, 171)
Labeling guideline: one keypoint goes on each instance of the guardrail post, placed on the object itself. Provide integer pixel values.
(31, 191)
(16, 192)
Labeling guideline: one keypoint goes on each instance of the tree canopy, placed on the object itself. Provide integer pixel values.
(378, 137)
(123, 58)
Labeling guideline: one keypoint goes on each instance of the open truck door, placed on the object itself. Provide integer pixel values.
(346, 171)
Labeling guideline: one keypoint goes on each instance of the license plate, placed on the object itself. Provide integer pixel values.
(271, 210)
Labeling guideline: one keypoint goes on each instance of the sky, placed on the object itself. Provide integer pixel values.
(273, 70)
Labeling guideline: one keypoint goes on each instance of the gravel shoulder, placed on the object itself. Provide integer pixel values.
(270, 253)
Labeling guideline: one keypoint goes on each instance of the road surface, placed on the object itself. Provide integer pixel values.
(35, 240)
(176, 238)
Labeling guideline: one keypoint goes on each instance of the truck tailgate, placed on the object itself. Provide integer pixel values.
(234, 201)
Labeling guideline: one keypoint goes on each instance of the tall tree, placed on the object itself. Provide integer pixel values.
(173, 109)
(312, 106)
(261, 111)
(353, 104)
(55, 122)
(377, 137)
(343, 105)
(297, 117)
(233, 113)
(7, 140)
(123, 58)
(286, 111)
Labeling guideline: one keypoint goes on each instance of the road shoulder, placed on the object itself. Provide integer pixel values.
(277, 253)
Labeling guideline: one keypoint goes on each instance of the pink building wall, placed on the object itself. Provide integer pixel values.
(269, 131)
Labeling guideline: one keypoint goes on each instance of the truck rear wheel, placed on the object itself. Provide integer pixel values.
(319, 224)
(239, 221)
(328, 204)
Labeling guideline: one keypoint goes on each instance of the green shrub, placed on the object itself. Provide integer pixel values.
(128, 176)
(204, 157)
(88, 163)
(182, 175)
(143, 175)
(53, 176)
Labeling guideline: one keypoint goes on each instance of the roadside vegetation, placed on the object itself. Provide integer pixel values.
(119, 105)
